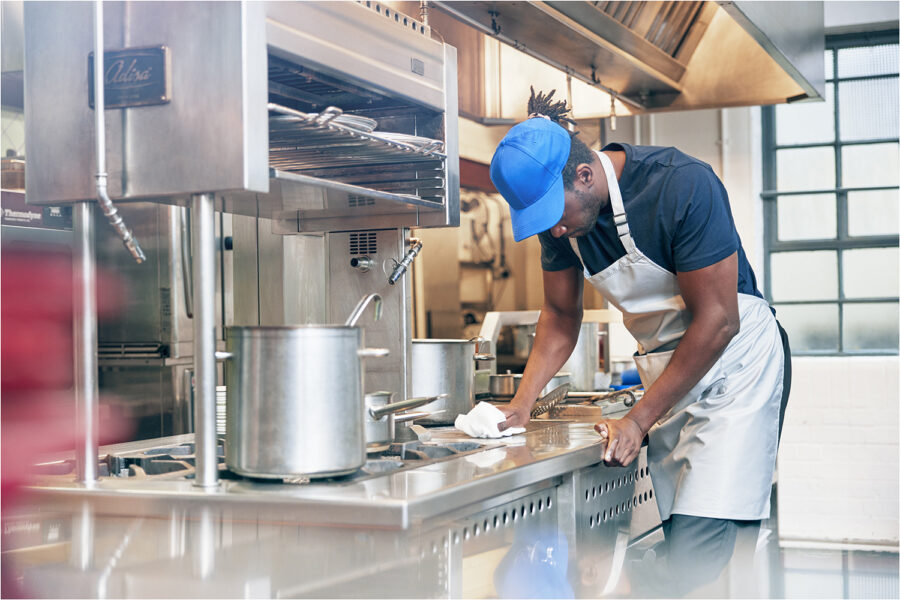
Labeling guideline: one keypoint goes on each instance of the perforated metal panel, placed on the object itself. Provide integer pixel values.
(608, 494)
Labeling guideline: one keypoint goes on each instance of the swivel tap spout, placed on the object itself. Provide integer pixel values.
(400, 267)
(361, 306)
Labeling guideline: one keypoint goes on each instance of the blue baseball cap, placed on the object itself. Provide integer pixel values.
(527, 171)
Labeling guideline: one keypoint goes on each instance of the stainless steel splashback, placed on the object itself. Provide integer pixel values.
(346, 285)
(303, 279)
(230, 71)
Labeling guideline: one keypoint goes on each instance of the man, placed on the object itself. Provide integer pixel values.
(651, 229)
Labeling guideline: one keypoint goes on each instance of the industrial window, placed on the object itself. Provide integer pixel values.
(830, 175)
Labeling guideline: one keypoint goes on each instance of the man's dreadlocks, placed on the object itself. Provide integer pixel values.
(541, 104)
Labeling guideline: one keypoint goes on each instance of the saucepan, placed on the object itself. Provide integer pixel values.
(380, 417)
(504, 385)
(294, 404)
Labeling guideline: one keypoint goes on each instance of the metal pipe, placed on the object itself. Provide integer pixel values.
(184, 229)
(400, 267)
(363, 263)
(203, 244)
(84, 279)
(106, 204)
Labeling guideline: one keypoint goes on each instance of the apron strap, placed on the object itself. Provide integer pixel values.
(574, 243)
(618, 206)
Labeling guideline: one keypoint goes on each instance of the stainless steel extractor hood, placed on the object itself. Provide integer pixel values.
(668, 55)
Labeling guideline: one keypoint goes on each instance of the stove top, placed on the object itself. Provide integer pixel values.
(166, 461)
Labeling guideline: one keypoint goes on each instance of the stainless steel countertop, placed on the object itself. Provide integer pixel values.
(401, 499)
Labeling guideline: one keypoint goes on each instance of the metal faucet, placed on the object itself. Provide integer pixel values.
(400, 267)
(361, 306)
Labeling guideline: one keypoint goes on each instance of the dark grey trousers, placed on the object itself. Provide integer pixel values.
(694, 553)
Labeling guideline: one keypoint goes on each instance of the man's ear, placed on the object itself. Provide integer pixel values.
(585, 174)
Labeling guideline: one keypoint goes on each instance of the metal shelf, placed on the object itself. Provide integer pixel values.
(317, 141)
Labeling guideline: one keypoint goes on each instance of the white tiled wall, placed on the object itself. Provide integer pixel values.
(839, 462)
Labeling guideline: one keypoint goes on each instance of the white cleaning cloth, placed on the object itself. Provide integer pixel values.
(482, 421)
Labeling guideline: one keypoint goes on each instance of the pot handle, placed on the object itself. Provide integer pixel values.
(372, 352)
(381, 411)
(414, 416)
(361, 306)
(480, 341)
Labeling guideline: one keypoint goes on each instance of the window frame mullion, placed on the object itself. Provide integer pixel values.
(840, 197)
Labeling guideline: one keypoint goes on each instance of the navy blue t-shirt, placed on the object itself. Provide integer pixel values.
(678, 214)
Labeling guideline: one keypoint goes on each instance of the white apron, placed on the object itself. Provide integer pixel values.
(713, 454)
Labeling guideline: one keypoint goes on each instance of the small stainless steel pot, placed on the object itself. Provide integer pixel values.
(505, 385)
(446, 367)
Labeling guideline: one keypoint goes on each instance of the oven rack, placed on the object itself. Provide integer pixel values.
(316, 141)
(318, 146)
(425, 180)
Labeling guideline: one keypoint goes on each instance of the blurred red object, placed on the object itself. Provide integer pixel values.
(36, 361)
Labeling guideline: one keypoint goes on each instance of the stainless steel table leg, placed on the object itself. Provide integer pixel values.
(84, 279)
(204, 285)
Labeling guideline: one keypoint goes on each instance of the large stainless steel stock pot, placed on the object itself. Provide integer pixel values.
(295, 401)
(585, 358)
(446, 367)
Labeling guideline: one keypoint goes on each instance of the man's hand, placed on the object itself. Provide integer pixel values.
(623, 440)
(516, 416)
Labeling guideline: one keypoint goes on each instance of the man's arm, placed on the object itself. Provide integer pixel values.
(554, 340)
(710, 295)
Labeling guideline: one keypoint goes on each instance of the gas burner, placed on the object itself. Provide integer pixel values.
(155, 462)
(398, 457)
(165, 462)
